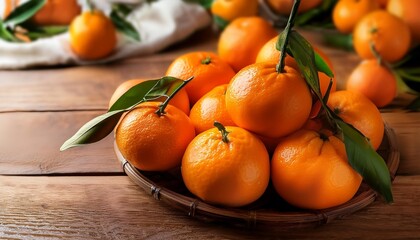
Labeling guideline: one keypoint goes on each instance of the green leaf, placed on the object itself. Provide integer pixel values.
(95, 130)
(204, 3)
(36, 32)
(124, 26)
(414, 105)
(322, 66)
(122, 9)
(146, 91)
(366, 161)
(6, 34)
(220, 22)
(23, 12)
(304, 55)
(99, 127)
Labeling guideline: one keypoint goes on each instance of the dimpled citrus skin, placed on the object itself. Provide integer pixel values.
(92, 35)
(207, 69)
(230, 174)
(151, 142)
(313, 173)
(211, 107)
(268, 103)
(359, 111)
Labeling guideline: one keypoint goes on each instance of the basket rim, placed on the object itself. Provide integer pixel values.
(197, 208)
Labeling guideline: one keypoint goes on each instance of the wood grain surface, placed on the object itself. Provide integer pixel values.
(82, 193)
(114, 208)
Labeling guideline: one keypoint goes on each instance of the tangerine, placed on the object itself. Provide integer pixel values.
(388, 34)
(360, 112)
(408, 11)
(57, 12)
(266, 102)
(373, 80)
(268, 52)
(92, 35)
(284, 7)
(154, 142)
(310, 170)
(232, 9)
(242, 39)
(207, 68)
(211, 107)
(347, 13)
(231, 168)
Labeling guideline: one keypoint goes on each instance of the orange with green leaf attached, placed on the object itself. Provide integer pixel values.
(153, 136)
(226, 166)
(269, 53)
(92, 35)
(268, 102)
(360, 112)
(180, 100)
(310, 170)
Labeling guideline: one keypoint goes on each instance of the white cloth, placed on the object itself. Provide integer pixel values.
(159, 23)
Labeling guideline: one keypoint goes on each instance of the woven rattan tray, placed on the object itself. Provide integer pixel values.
(269, 210)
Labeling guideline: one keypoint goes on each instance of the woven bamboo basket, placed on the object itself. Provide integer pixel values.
(269, 211)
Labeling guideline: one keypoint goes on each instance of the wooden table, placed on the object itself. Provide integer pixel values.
(82, 193)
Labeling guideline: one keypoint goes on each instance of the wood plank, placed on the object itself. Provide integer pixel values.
(30, 142)
(407, 129)
(113, 208)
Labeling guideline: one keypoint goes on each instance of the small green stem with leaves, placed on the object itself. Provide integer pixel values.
(223, 131)
(161, 109)
(289, 26)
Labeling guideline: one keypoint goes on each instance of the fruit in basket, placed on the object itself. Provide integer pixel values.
(242, 39)
(310, 170)
(373, 80)
(285, 6)
(229, 10)
(269, 53)
(388, 34)
(180, 100)
(152, 141)
(211, 107)
(226, 166)
(92, 35)
(359, 111)
(57, 12)
(408, 11)
(266, 102)
(207, 68)
(347, 13)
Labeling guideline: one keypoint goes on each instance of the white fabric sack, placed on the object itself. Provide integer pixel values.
(159, 24)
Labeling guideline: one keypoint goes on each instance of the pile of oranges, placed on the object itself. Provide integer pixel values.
(383, 33)
(240, 123)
